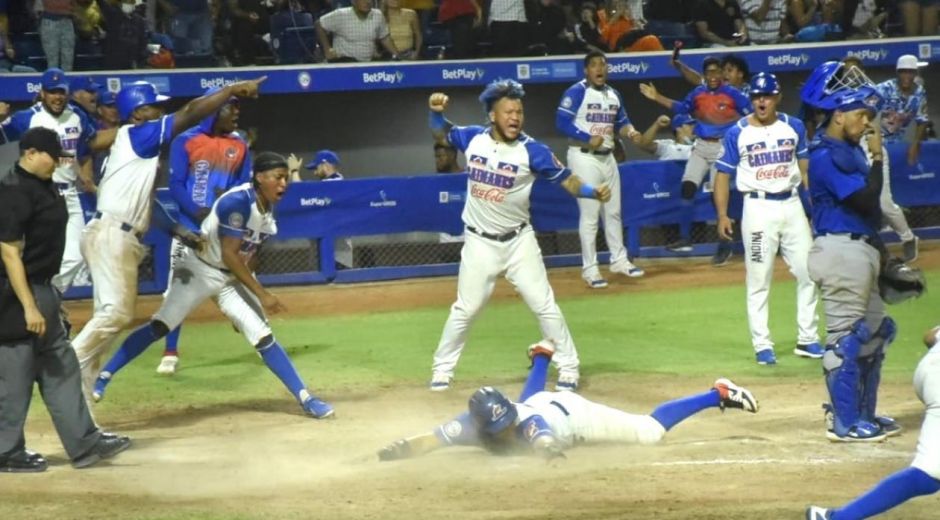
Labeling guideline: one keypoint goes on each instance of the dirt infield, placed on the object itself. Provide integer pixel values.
(240, 462)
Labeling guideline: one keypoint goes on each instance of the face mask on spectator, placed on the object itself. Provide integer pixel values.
(128, 8)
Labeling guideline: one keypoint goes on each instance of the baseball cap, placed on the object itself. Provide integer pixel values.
(909, 62)
(54, 79)
(105, 96)
(682, 119)
(323, 156)
(44, 140)
(84, 83)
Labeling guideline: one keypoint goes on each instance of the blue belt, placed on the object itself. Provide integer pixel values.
(505, 237)
(124, 225)
(783, 195)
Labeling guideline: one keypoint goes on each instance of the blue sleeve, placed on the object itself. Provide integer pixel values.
(245, 174)
(686, 105)
(543, 162)
(89, 131)
(15, 126)
(535, 383)
(823, 170)
(802, 149)
(179, 174)
(566, 112)
(147, 138)
(460, 136)
(233, 211)
(728, 162)
(743, 102)
(459, 431)
(533, 427)
(622, 118)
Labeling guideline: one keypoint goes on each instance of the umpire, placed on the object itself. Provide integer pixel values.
(34, 346)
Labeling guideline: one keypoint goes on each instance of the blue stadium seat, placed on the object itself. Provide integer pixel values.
(29, 50)
(88, 55)
(296, 45)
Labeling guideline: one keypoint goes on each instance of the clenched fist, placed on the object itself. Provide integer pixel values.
(602, 193)
(438, 101)
(399, 449)
(663, 121)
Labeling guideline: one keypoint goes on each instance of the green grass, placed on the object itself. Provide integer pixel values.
(684, 332)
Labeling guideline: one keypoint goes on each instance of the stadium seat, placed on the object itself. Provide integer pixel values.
(195, 61)
(296, 45)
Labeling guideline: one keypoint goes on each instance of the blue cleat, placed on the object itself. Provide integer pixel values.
(813, 351)
(889, 425)
(100, 384)
(317, 408)
(861, 431)
(766, 357)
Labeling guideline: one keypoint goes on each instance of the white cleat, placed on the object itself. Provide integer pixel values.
(440, 383)
(168, 365)
(627, 268)
(734, 396)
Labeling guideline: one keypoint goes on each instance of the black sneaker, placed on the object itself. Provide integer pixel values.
(722, 255)
(23, 461)
(683, 245)
(107, 446)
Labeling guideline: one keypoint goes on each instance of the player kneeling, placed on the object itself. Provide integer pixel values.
(547, 423)
(240, 221)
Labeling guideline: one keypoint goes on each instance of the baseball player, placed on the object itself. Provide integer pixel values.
(111, 241)
(240, 220)
(205, 161)
(905, 102)
(325, 166)
(923, 475)
(502, 164)
(677, 149)
(716, 106)
(592, 116)
(547, 423)
(845, 258)
(734, 70)
(78, 136)
(766, 152)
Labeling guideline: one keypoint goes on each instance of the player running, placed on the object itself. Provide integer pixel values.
(547, 423)
(923, 475)
(766, 152)
(239, 222)
(503, 163)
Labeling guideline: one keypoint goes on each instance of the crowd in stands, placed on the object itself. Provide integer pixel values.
(127, 34)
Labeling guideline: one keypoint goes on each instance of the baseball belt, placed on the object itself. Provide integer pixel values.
(596, 152)
(127, 228)
(505, 237)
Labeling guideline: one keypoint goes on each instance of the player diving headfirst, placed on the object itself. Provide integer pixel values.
(240, 220)
(547, 423)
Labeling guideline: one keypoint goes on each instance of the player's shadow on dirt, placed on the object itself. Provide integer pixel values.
(194, 414)
(250, 357)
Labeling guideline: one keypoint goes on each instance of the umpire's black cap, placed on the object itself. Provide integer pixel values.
(43, 140)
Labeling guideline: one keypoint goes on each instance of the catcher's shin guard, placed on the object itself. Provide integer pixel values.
(870, 369)
(841, 367)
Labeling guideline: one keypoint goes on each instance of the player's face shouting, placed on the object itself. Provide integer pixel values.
(54, 100)
(765, 107)
(272, 184)
(228, 118)
(507, 118)
(713, 76)
(596, 72)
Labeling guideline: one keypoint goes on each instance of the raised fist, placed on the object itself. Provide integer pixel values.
(438, 101)
(663, 121)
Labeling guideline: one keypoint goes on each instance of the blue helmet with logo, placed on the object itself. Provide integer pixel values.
(137, 94)
(764, 83)
(491, 410)
(833, 86)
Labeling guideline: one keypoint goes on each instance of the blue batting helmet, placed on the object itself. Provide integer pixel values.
(137, 94)
(491, 410)
(764, 83)
(682, 119)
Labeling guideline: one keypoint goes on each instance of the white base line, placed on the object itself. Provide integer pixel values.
(736, 462)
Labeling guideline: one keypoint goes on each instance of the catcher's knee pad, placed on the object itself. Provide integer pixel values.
(158, 329)
(265, 343)
(688, 190)
(887, 331)
(843, 373)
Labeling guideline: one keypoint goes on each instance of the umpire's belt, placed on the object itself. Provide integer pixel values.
(852, 236)
(127, 228)
(505, 237)
(783, 195)
(596, 152)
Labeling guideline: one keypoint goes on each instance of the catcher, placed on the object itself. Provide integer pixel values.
(547, 423)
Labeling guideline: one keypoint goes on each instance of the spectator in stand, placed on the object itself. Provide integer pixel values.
(735, 72)
(56, 32)
(125, 40)
(404, 29)
(587, 30)
(460, 17)
(764, 21)
(550, 29)
(509, 27)
(920, 17)
(621, 28)
(677, 149)
(355, 30)
(445, 159)
(190, 25)
(7, 52)
(88, 20)
(720, 23)
(811, 20)
(424, 9)
(869, 16)
(250, 21)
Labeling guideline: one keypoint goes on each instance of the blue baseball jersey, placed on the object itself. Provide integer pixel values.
(236, 214)
(714, 110)
(764, 158)
(837, 169)
(74, 129)
(463, 431)
(585, 111)
(900, 109)
(500, 177)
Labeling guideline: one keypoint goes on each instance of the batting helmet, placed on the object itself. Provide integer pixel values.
(137, 94)
(764, 84)
(682, 119)
(491, 410)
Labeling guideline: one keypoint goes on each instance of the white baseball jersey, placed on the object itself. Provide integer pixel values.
(236, 214)
(126, 189)
(596, 112)
(764, 158)
(670, 150)
(500, 177)
(927, 387)
(74, 133)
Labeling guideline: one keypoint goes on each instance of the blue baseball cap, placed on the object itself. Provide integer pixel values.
(106, 97)
(323, 156)
(682, 119)
(54, 79)
(83, 83)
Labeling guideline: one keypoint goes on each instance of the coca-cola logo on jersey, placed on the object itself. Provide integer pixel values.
(777, 172)
(496, 195)
(602, 130)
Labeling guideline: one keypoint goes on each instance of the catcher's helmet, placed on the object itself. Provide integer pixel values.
(764, 83)
(137, 94)
(491, 410)
(832, 86)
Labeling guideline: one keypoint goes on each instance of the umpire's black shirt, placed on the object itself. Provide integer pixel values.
(32, 210)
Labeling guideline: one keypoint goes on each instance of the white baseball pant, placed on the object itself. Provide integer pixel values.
(73, 268)
(927, 386)
(597, 170)
(587, 421)
(891, 213)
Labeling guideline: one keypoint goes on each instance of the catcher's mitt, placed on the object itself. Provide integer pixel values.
(899, 282)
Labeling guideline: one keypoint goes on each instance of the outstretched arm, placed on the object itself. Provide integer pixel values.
(578, 188)
(649, 92)
(439, 124)
(411, 447)
(200, 108)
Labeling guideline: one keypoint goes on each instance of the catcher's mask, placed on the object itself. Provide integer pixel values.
(491, 410)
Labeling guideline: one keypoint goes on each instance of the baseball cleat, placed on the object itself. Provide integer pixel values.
(817, 513)
(595, 282)
(440, 382)
(910, 249)
(317, 408)
(168, 365)
(766, 357)
(888, 425)
(722, 255)
(566, 383)
(734, 396)
(813, 351)
(683, 245)
(100, 384)
(627, 268)
(862, 431)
